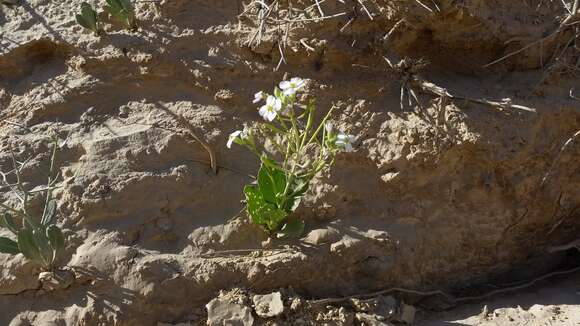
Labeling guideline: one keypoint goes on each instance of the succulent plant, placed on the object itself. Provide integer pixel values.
(88, 19)
(287, 170)
(122, 11)
(38, 239)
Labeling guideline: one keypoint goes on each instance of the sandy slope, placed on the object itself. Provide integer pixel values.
(439, 196)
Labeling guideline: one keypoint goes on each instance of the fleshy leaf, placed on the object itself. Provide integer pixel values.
(261, 212)
(274, 216)
(55, 239)
(122, 11)
(292, 203)
(89, 15)
(292, 228)
(27, 246)
(8, 246)
(254, 201)
(271, 182)
(83, 22)
(7, 221)
(41, 242)
(49, 213)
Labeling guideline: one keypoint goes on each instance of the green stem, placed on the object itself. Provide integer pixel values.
(308, 126)
(320, 126)
(49, 181)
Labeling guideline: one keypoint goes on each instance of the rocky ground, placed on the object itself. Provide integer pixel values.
(467, 184)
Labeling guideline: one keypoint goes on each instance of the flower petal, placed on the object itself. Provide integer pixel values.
(285, 84)
(233, 136)
(263, 110)
(270, 116)
(258, 96)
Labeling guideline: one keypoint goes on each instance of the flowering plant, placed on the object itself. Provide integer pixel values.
(300, 151)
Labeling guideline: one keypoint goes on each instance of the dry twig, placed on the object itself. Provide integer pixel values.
(562, 149)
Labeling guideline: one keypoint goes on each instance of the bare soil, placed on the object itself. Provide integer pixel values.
(464, 186)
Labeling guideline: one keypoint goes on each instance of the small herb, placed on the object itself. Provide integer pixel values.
(122, 11)
(38, 238)
(89, 19)
(281, 184)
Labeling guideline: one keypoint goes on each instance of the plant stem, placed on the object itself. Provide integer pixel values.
(321, 125)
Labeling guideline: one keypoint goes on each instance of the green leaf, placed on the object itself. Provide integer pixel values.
(83, 22)
(89, 14)
(273, 216)
(292, 228)
(8, 246)
(114, 6)
(126, 4)
(292, 203)
(49, 213)
(300, 186)
(261, 212)
(88, 18)
(55, 238)
(7, 221)
(254, 201)
(43, 245)
(277, 92)
(271, 183)
(122, 11)
(27, 246)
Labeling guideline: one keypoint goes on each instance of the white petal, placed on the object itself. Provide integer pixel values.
(233, 137)
(230, 141)
(271, 100)
(290, 91)
(297, 82)
(270, 116)
(258, 96)
(263, 110)
(277, 105)
(285, 84)
(328, 127)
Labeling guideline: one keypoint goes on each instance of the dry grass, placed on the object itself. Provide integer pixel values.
(277, 20)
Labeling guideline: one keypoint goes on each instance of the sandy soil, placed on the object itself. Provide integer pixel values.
(446, 193)
(555, 302)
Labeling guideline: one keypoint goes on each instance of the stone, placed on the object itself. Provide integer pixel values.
(268, 305)
(221, 312)
(371, 320)
(407, 314)
(57, 280)
(321, 236)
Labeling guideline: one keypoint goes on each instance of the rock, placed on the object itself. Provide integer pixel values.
(57, 280)
(268, 305)
(383, 306)
(321, 236)
(345, 244)
(221, 312)
(296, 304)
(371, 320)
(17, 274)
(407, 314)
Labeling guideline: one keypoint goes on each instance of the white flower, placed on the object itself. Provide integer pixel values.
(345, 141)
(328, 127)
(292, 86)
(233, 136)
(258, 96)
(271, 109)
